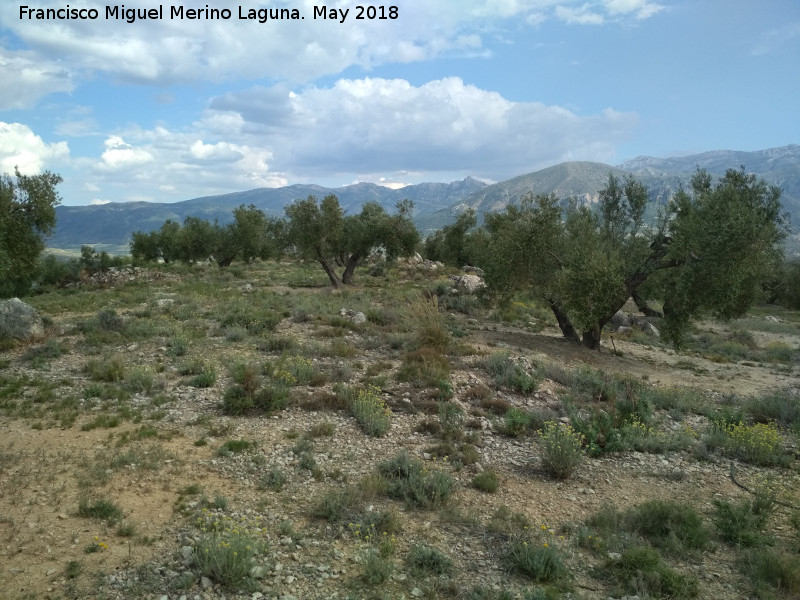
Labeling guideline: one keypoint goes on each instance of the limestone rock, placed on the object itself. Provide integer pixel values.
(19, 320)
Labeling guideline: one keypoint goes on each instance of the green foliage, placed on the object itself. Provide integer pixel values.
(319, 230)
(743, 523)
(781, 406)
(235, 447)
(539, 559)
(371, 412)
(107, 369)
(509, 373)
(226, 557)
(516, 421)
(102, 510)
(429, 560)
(451, 418)
(641, 570)
(562, 451)
(759, 444)
(669, 526)
(451, 244)
(486, 481)
(409, 480)
(771, 573)
(27, 217)
(586, 263)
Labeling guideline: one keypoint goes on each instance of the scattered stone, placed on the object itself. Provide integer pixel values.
(19, 320)
(468, 283)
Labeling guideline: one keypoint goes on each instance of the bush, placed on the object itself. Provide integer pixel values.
(108, 369)
(226, 557)
(102, 510)
(672, 527)
(641, 571)
(539, 560)
(561, 449)
(429, 560)
(371, 412)
(516, 421)
(510, 374)
(759, 444)
(451, 417)
(410, 481)
(743, 523)
(772, 571)
(486, 481)
(426, 366)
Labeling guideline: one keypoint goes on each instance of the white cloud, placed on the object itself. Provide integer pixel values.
(582, 15)
(175, 51)
(641, 9)
(375, 126)
(21, 147)
(121, 155)
(27, 76)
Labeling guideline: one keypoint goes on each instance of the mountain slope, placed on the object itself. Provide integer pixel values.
(110, 225)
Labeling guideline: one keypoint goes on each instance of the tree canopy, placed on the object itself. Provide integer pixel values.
(27, 217)
(711, 251)
(251, 235)
(319, 230)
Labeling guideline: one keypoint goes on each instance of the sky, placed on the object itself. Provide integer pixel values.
(164, 108)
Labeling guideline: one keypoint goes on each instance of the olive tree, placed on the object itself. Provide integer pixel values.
(709, 252)
(321, 231)
(27, 217)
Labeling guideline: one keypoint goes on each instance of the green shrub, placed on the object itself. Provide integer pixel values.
(107, 369)
(743, 523)
(451, 417)
(538, 560)
(206, 378)
(486, 481)
(771, 572)
(410, 481)
(508, 373)
(516, 421)
(377, 569)
(431, 331)
(235, 447)
(429, 560)
(109, 320)
(371, 412)
(424, 367)
(759, 444)
(272, 480)
(102, 510)
(641, 571)
(669, 526)
(561, 449)
(226, 557)
(782, 407)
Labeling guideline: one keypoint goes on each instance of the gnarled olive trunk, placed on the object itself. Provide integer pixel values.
(350, 268)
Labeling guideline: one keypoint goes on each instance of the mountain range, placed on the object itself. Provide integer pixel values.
(109, 226)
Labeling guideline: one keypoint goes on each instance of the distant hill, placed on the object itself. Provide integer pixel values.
(662, 176)
(109, 226)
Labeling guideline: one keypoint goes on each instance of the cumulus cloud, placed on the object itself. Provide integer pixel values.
(374, 125)
(21, 147)
(121, 155)
(175, 51)
(28, 77)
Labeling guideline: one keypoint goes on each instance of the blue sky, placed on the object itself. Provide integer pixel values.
(167, 110)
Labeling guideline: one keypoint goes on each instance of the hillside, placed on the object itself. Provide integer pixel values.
(663, 177)
(194, 432)
(110, 226)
